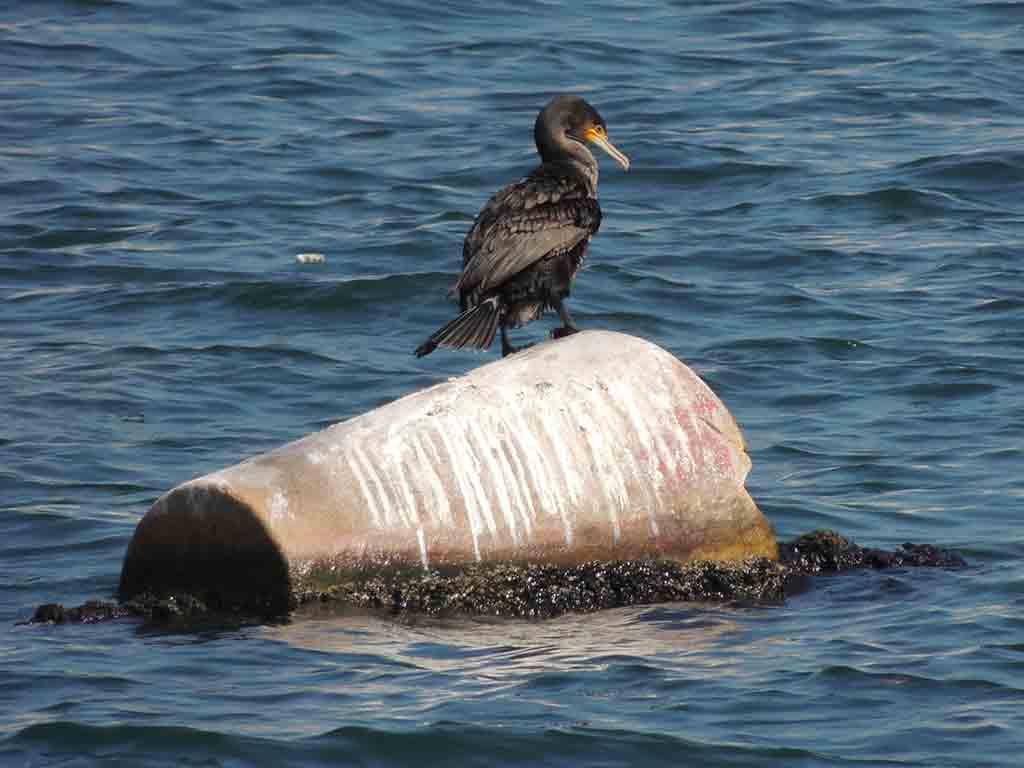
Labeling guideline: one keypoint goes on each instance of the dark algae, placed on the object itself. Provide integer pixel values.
(531, 590)
(828, 552)
(161, 608)
(544, 591)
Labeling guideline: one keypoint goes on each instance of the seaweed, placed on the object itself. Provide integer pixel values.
(534, 590)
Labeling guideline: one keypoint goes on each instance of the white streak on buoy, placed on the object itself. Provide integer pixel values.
(665, 456)
(650, 475)
(534, 459)
(508, 461)
(524, 498)
(501, 490)
(423, 548)
(672, 438)
(440, 512)
(407, 511)
(394, 473)
(516, 476)
(551, 422)
(602, 432)
(469, 465)
(279, 507)
(454, 461)
(684, 451)
(360, 467)
(449, 515)
(686, 447)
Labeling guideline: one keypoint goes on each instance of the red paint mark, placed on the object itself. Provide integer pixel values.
(694, 438)
(723, 458)
(705, 405)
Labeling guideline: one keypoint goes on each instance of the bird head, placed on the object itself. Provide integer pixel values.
(568, 120)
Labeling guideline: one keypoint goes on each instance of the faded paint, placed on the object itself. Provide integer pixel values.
(598, 445)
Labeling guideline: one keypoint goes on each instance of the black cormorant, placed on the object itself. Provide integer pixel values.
(528, 242)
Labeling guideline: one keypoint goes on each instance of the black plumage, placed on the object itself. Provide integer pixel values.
(529, 240)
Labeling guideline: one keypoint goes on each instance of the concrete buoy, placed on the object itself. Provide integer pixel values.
(596, 446)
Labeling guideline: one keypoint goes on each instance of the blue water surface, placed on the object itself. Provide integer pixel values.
(824, 218)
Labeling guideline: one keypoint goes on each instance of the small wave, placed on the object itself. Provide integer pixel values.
(124, 289)
(140, 195)
(99, 5)
(892, 202)
(491, 46)
(117, 288)
(74, 237)
(949, 390)
(103, 275)
(269, 352)
(809, 399)
(976, 170)
(82, 55)
(699, 175)
(104, 544)
(852, 676)
(26, 189)
(442, 743)
(998, 305)
(319, 296)
(71, 226)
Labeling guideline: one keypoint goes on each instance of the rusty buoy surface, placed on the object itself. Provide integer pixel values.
(597, 446)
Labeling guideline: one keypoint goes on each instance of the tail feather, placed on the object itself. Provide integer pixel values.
(474, 328)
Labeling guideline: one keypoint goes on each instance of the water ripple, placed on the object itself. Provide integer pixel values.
(823, 218)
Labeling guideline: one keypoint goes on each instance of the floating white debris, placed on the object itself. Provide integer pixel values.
(310, 258)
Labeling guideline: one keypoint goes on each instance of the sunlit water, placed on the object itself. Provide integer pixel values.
(825, 219)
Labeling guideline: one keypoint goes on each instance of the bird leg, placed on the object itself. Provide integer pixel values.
(568, 326)
(506, 348)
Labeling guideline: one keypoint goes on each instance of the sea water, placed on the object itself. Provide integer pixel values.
(824, 218)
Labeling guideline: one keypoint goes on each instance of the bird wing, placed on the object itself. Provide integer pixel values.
(523, 223)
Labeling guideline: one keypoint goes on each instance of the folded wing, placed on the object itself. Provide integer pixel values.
(521, 225)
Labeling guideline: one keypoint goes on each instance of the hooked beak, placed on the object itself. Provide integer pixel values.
(598, 135)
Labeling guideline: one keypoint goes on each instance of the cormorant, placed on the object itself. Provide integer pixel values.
(529, 240)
